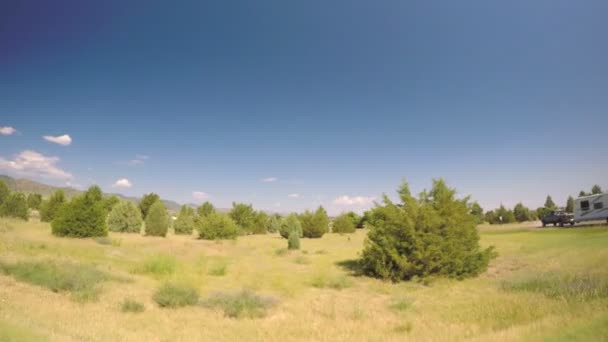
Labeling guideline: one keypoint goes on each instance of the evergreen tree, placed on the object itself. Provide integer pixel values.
(244, 216)
(343, 224)
(434, 235)
(124, 217)
(157, 221)
(48, 209)
(274, 223)
(521, 213)
(4, 192)
(34, 201)
(570, 205)
(15, 205)
(109, 202)
(289, 224)
(205, 209)
(549, 204)
(596, 190)
(477, 212)
(217, 226)
(184, 224)
(146, 202)
(260, 225)
(314, 225)
(582, 193)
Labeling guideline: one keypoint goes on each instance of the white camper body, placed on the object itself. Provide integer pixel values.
(589, 208)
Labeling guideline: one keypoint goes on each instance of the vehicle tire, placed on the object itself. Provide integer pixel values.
(571, 224)
(544, 224)
(555, 225)
(561, 224)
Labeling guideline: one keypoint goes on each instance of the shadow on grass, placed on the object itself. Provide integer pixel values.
(351, 266)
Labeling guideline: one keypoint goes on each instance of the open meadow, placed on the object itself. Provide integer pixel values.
(545, 284)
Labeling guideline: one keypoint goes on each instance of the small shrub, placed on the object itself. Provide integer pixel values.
(125, 217)
(293, 242)
(404, 328)
(219, 270)
(158, 265)
(302, 260)
(280, 251)
(184, 224)
(83, 216)
(216, 226)
(172, 295)
(244, 304)
(157, 220)
(343, 224)
(400, 304)
(336, 283)
(130, 305)
(103, 240)
(79, 280)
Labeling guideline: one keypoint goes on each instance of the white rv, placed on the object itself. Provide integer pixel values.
(589, 208)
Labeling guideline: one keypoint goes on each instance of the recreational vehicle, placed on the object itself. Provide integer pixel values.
(590, 208)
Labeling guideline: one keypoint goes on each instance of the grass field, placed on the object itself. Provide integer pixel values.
(546, 284)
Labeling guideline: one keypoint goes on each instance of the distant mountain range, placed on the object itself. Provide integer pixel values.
(29, 186)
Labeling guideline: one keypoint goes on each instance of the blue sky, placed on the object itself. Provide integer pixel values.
(336, 101)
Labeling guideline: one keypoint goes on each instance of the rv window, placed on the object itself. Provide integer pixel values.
(598, 205)
(584, 205)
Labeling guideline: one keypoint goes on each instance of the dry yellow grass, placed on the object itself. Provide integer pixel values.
(478, 309)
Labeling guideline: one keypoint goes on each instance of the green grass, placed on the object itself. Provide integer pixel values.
(400, 304)
(572, 287)
(173, 295)
(219, 270)
(80, 280)
(13, 333)
(157, 265)
(130, 305)
(243, 304)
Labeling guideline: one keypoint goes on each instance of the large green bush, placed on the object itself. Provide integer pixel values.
(314, 225)
(260, 225)
(125, 217)
(521, 213)
(157, 221)
(184, 224)
(217, 226)
(15, 205)
(290, 223)
(343, 224)
(49, 208)
(274, 223)
(4, 192)
(83, 216)
(293, 240)
(432, 235)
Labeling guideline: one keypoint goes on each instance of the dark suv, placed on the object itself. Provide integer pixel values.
(558, 217)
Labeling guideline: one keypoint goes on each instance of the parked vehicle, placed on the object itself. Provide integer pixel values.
(590, 208)
(558, 217)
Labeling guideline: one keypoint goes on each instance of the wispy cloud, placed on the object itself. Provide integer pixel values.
(200, 196)
(293, 195)
(7, 130)
(63, 140)
(138, 160)
(270, 180)
(34, 164)
(122, 183)
(354, 201)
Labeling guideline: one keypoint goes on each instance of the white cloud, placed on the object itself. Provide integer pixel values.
(33, 164)
(63, 140)
(357, 200)
(122, 183)
(7, 130)
(200, 196)
(293, 195)
(270, 180)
